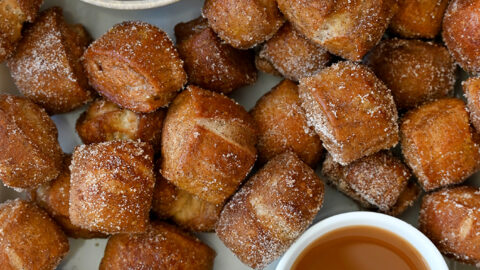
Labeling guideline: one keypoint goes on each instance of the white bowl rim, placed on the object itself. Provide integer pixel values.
(412, 235)
(133, 4)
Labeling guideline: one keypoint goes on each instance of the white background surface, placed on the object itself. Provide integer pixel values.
(86, 254)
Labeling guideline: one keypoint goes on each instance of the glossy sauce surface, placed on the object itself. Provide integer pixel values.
(360, 248)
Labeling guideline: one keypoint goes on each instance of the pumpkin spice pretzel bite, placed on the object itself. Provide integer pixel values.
(30, 154)
(208, 144)
(46, 66)
(111, 186)
(136, 66)
(438, 143)
(29, 238)
(211, 63)
(243, 24)
(351, 110)
(271, 210)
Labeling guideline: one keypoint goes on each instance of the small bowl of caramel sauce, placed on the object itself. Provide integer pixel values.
(362, 241)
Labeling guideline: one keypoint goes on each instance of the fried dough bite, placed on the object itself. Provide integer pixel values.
(30, 154)
(243, 24)
(271, 210)
(185, 209)
(263, 65)
(406, 199)
(13, 14)
(471, 88)
(46, 66)
(451, 219)
(344, 27)
(415, 71)
(211, 63)
(208, 144)
(282, 126)
(136, 66)
(418, 18)
(105, 121)
(375, 181)
(351, 110)
(439, 144)
(29, 238)
(461, 33)
(53, 197)
(162, 246)
(112, 186)
(293, 55)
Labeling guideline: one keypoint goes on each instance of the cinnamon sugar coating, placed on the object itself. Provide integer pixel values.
(419, 18)
(162, 246)
(111, 186)
(46, 66)
(346, 28)
(208, 144)
(282, 125)
(376, 181)
(460, 33)
(271, 210)
(415, 71)
(106, 121)
(293, 55)
(136, 66)
(406, 199)
(264, 65)
(13, 15)
(451, 219)
(53, 197)
(243, 24)
(439, 144)
(29, 238)
(211, 63)
(185, 209)
(351, 110)
(471, 88)
(30, 154)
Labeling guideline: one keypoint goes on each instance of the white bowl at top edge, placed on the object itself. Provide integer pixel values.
(130, 4)
(424, 246)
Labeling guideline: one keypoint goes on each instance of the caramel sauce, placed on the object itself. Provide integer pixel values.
(360, 248)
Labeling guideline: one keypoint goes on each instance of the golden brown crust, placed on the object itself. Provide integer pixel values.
(351, 110)
(162, 246)
(344, 27)
(406, 199)
(271, 210)
(460, 33)
(185, 209)
(112, 186)
(13, 14)
(208, 144)
(471, 88)
(29, 239)
(46, 65)
(105, 121)
(451, 219)
(211, 63)
(418, 18)
(243, 24)
(264, 65)
(293, 55)
(136, 66)
(375, 181)
(53, 197)
(29, 151)
(438, 143)
(415, 71)
(282, 125)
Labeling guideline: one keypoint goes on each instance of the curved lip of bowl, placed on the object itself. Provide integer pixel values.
(424, 246)
(132, 4)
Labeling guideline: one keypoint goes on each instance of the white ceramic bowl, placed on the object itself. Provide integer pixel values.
(130, 4)
(425, 247)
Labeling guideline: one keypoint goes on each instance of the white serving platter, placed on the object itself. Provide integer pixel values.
(86, 254)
